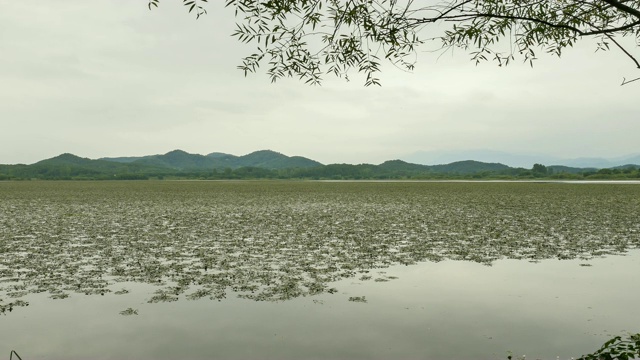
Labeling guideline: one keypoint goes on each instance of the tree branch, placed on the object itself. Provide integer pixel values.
(624, 50)
(606, 31)
(620, 6)
(463, 17)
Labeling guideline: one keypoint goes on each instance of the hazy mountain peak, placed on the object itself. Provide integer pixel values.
(219, 155)
(66, 158)
(177, 152)
(396, 161)
(265, 153)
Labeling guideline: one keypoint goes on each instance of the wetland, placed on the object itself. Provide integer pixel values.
(303, 269)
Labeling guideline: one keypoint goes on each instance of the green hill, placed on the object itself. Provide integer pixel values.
(569, 170)
(125, 159)
(469, 167)
(183, 161)
(219, 155)
(178, 160)
(268, 164)
(66, 159)
(399, 165)
(269, 159)
(69, 166)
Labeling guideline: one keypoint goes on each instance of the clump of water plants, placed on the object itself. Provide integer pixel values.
(360, 299)
(617, 348)
(129, 311)
(8, 307)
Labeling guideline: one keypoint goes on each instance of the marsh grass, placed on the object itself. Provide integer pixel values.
(274, 241)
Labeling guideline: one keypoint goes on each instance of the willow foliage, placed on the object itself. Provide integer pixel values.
(311, 38)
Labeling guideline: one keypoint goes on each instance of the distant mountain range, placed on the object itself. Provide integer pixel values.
(181, 160)
(517, 160)
(271, 164)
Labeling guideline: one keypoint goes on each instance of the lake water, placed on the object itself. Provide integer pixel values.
(450, 309)
(439, 305)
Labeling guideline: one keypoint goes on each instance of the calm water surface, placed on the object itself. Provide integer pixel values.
(450, 309)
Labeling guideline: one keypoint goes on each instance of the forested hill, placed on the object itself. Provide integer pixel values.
(267, 164)
(181, 160)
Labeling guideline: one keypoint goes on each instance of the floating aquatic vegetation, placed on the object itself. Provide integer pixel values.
(9, 306)
(273, 241)
(360, 299)
(129, 311)
(163, 296)
(59, 296)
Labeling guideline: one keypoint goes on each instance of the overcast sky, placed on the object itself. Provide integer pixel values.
(110, 78)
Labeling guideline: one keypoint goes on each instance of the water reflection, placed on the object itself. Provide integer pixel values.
(450, 309)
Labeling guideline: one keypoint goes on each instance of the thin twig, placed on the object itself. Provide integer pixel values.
(623, 50)
(625, 82)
